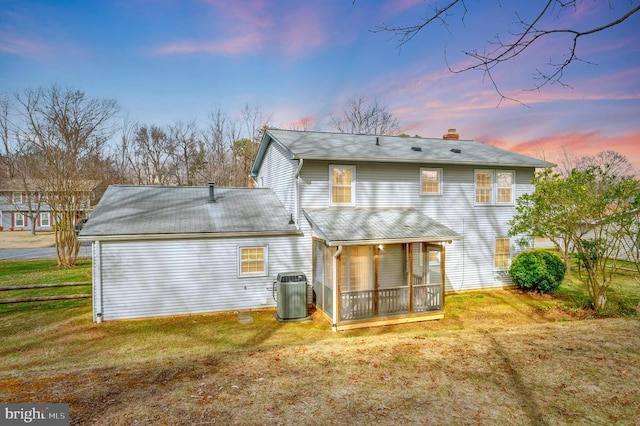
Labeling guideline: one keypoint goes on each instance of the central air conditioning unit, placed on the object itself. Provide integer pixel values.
(290, 293)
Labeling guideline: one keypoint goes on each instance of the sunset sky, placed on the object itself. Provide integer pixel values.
(177, 60)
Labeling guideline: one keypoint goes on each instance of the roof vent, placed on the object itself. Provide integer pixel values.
(212, 192)
(416, 148)
(456, 150)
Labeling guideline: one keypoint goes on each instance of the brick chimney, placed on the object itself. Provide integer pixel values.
(451, 134)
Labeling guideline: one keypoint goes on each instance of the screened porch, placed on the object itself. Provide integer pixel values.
(379, 284)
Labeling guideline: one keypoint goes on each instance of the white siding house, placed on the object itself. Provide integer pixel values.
(382, 226)
(174, 250)
(466, 189)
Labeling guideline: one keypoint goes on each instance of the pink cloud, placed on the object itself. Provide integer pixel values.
(249, 26)
(20, 46)
(399, 6)
(302, 29)
(243, 43)
(303, 123)
(581, 144)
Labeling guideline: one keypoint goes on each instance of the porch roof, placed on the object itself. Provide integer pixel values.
(362, 226)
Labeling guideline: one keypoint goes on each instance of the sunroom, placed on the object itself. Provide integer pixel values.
(378, 266)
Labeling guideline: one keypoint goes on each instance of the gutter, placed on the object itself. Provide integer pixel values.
(470, 162)
(191, 236)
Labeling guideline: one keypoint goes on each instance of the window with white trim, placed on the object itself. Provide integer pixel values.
(342, 185)
(494, 187)
(252, 261)
(504, 184)
(17, 197)
(430, 181)
(502, 253)
(45, 219)
(18, 220)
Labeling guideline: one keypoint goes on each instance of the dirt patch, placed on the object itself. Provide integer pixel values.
(24, 239)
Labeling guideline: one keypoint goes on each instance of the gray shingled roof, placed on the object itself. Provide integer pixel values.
(158, 210)
(354, 225)
(349, 147)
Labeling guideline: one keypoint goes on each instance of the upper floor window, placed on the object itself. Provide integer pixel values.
(342, 185)
(494, 186)
(504, 183)
(18, 197)
(430, 181)
(252, 261)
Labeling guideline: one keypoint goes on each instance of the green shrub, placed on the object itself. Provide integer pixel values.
(537, 270)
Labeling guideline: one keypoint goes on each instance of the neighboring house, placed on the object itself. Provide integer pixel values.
(20, 206)
(382, 226)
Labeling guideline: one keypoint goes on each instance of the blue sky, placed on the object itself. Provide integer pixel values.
(168, 60)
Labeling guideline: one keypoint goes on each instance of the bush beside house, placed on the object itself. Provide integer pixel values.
(537, 270)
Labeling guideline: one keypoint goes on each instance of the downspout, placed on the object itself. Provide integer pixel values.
(334, 314)
(297, 190)
(96, 275)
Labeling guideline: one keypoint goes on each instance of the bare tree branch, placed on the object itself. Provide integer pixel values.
(547, 22)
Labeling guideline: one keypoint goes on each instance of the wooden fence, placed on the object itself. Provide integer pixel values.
(43, 298)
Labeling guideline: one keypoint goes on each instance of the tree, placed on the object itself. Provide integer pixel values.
(589, 210)
(153, 155)
(540, 214)
(364, 118)
(188, 160)
(63, 133)
(554, 22)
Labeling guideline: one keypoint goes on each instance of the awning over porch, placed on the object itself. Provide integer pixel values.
(363, 226)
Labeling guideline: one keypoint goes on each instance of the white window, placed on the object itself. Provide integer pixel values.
(504, 183)
(252, 261)
(484, 185)
(430, 181)
(17, 197)
(502, 253)
(18, 220)
(45, 219)
(342, 186)
(494, 187)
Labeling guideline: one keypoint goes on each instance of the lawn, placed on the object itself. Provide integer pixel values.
(498, 357)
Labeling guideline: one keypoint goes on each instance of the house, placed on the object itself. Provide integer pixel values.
(383, 227)
(183, 250)
(23, 203)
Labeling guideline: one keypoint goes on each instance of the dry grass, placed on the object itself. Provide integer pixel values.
(24, 239)
(498, 358)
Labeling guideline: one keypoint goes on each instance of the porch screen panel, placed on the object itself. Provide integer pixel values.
(356, 269)
(318, 273)
(417, 264)
(393, 295)
(328, 287)
(428, 296)
(356, 283)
